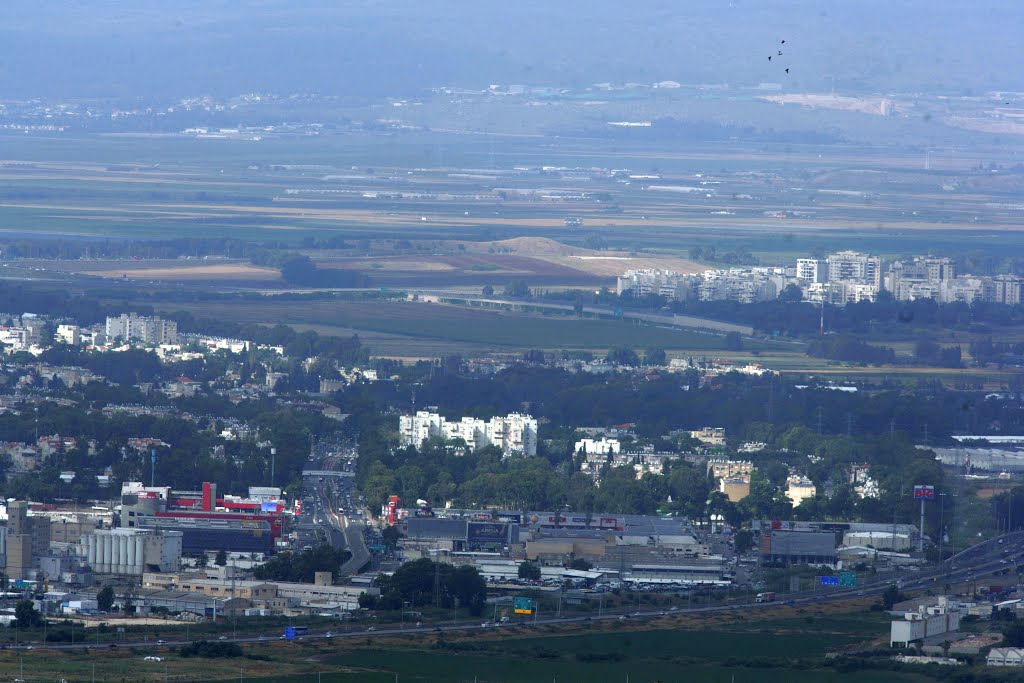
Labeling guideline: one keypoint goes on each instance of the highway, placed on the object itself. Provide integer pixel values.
(345, 530)
(991, 557)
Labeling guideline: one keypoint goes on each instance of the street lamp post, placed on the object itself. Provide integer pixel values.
(942, 530)
(273, 457)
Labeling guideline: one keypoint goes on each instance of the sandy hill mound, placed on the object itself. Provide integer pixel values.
(605, 263)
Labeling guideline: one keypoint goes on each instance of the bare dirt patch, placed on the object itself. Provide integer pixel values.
(591, 261)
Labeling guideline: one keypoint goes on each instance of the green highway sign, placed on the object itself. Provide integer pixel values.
(848, 579)
(523, 605)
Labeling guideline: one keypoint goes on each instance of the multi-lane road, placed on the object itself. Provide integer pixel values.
(984, 560)
(337, 502)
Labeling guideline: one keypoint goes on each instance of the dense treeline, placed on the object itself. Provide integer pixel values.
(819, 433)
(195, 452)
(850, 349)
(223, 247)
(423, 582)
(300, 270)
(673, 401)
(302, 567)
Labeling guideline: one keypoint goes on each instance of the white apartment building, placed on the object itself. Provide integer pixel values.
(513, 434)
(799, 489)
(603, 445)
(129, 326)
(811, 270)
(855, 267)
(14, 337)
(745, 285)
(68, 334)
(1006, 289)
(667, 283)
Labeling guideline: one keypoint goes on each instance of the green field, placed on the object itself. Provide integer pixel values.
(461, 325)
(747, 648)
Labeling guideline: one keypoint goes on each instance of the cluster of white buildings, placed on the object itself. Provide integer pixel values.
(839, 278)
(745, 285)
(936, 278)
(513, 434)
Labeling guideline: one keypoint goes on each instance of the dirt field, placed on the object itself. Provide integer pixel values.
(591, 261)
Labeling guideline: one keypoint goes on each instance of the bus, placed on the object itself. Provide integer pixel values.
(293, 632)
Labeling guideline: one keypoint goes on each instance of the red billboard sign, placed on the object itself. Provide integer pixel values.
(924, 492)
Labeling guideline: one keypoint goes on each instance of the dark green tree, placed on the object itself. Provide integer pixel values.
(654, 357)
(529, 571)
(221, 559)
(623, 355)
(26, 615)
(743, 540)
(105, 598)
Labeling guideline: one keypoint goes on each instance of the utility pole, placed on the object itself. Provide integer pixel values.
(152, 467)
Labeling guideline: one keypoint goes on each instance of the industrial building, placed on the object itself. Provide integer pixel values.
(925, 622)
(798, 547)
(1005, 656)
(206, 521)
(276, 596)
(131, 552)
(459, 534)
(26, 540)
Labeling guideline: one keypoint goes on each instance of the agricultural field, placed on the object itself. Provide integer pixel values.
(724, 647)
(497, 330)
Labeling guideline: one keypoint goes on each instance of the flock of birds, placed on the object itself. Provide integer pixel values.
(779, 55)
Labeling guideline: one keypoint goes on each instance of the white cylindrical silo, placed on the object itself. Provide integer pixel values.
(140, 553)
(108, 553)
(123, 559)
(131, 559)
(115, 552)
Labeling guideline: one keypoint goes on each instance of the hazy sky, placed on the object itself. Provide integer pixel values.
(170, 48)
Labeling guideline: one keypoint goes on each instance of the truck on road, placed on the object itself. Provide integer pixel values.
(765, 597)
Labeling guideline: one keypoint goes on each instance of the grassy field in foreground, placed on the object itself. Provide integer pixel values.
(723, 648)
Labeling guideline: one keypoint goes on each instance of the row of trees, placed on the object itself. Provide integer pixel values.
(423, 583)
(302, 567)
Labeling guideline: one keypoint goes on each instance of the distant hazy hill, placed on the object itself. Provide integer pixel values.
(372, 47)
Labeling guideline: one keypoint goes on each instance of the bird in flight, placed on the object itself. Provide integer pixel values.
(780, 53)
(783, 42)
(769, 58)
(787, 70)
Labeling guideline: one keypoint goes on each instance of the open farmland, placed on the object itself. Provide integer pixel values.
(708, 648)
(361, 186)
(503, 331)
